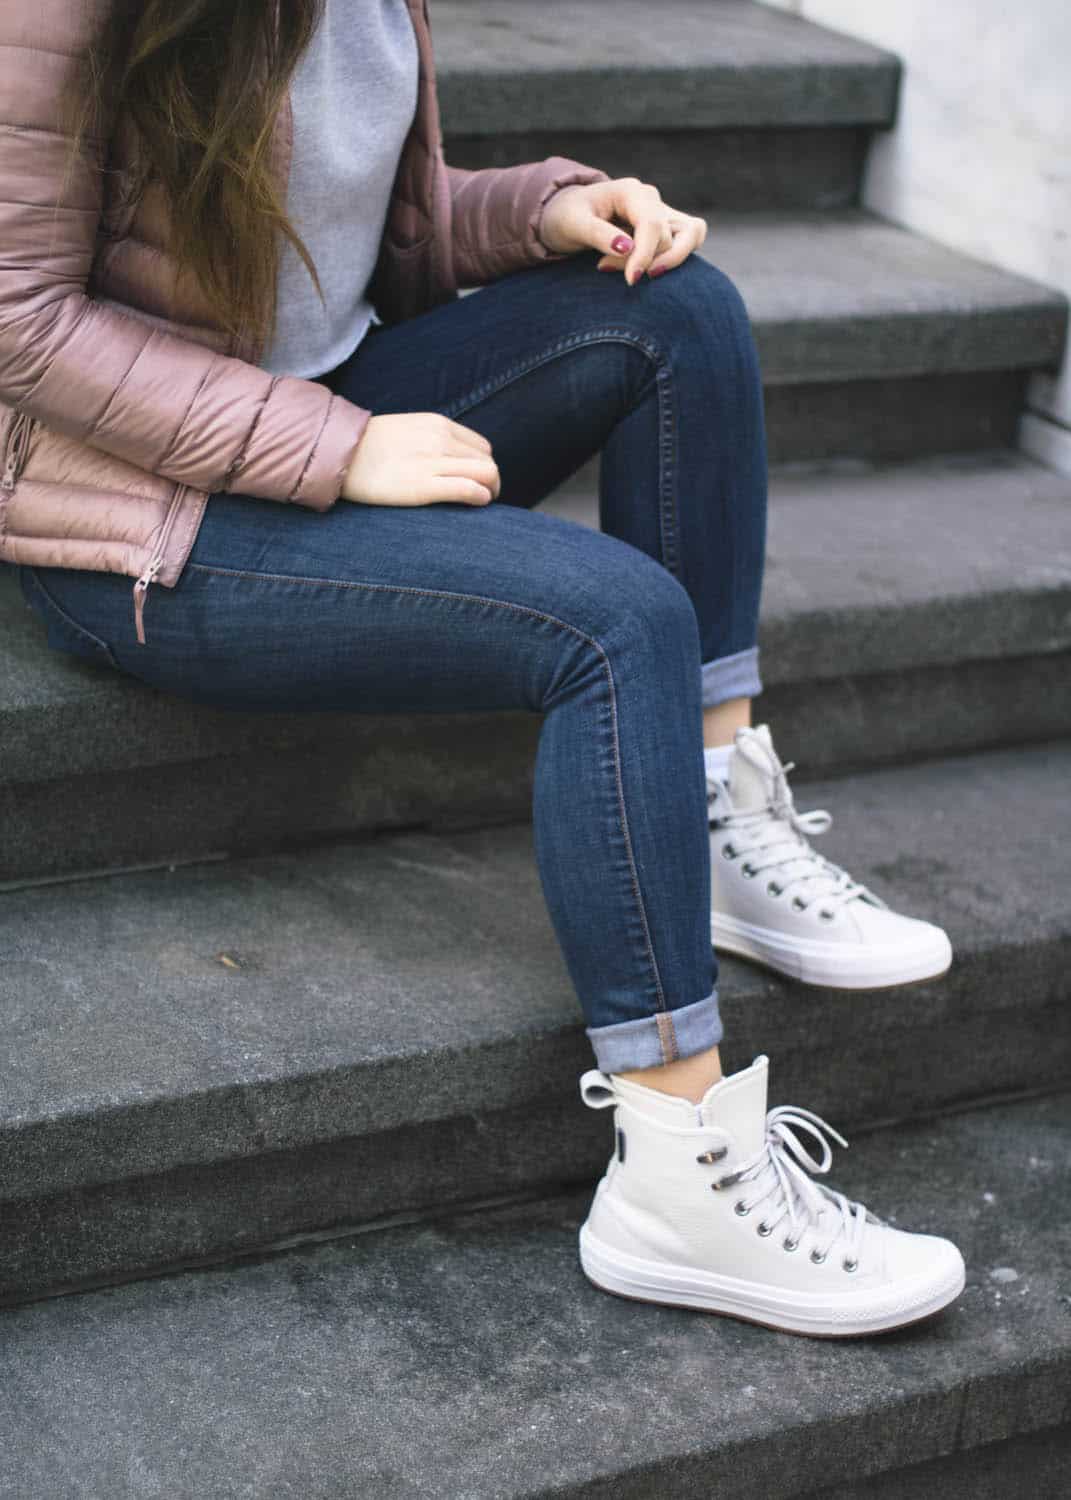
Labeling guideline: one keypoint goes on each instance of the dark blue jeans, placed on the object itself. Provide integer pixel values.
(619, 637)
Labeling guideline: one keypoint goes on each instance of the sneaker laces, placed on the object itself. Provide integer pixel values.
(778, 832)
(782, 1168)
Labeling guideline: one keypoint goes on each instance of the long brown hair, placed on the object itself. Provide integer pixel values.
(202, 82)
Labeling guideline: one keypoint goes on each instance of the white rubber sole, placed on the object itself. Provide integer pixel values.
(845, 966)
(849, 1315)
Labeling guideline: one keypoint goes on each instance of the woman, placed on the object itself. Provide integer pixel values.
(241, 380)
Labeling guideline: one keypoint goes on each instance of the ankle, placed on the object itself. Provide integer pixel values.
(685, 1078)
(722, 720)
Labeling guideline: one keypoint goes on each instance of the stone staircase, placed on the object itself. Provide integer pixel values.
(291, 1153)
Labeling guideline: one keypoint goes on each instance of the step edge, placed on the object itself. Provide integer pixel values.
(116, 1122)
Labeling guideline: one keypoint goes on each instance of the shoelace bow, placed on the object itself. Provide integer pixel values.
(787, 1164)
(764, 830)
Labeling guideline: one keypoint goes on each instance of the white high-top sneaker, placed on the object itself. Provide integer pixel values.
(711, 1206)
(778, 902)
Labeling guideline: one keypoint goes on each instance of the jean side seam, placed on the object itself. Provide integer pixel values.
(669, 519)
(608, 335)
(623, 821)
(536, 614)
(638, 1043)
(668, 514)
(667, 1037)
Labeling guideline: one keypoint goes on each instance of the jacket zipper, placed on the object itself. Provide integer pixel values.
(16, 447)
(156, 562)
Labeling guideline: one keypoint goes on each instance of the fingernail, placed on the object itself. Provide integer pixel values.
(656, 271)
(622, 244)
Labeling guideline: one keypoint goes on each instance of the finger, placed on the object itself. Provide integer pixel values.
(614, 262)
(469, 491)
(459, 448)
(640, 204)
(469, 436)
(601, 234)
(652, 235)
(626, 199)
(617, 262)
(483, 470)
(685, 241)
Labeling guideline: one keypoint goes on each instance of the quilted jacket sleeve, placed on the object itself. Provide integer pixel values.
(88, 370)
(497, 213)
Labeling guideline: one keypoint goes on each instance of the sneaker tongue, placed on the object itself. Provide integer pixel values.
(749, 787)
(737, 1104)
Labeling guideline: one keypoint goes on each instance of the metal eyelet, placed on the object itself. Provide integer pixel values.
(789, 1244)
(827, 916)
(728, 852)
(715, 1154)
(818, 1256)
(798, 905)
(763, 1228)
(741, 1209)
(747, 871)
(773, 890)
(850, 1263)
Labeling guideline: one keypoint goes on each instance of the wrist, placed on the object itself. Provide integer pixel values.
(543, 223)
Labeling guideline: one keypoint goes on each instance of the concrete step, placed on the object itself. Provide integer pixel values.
(850, 296)
(876, 343)
(908, 610)
(727, 101)
(468, 1358)
(208, 1059)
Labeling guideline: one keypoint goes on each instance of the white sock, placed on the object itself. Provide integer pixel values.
(717, 760)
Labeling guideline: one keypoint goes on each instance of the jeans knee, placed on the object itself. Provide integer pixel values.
(618, 605)
(654, 616)
(697, 300)
(709, 284)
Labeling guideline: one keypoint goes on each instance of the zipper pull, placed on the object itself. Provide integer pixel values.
(16, 446)
(141, 588)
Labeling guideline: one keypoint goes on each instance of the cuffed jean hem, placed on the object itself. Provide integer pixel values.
(650, 1041)
(728, 677)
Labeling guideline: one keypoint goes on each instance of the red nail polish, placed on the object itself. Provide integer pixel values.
(622, 244)
(658, 270)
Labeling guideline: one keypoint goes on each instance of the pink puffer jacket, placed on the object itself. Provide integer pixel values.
(123, 404)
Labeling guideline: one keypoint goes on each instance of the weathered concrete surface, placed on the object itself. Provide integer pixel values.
(847, 295)
(1032, 1467)
(508, 65)
(890, 420)
(727, 169)
(469, 1357)
(209, 1058)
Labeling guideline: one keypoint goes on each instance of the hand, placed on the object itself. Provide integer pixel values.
(417, 457)
(589, 216)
